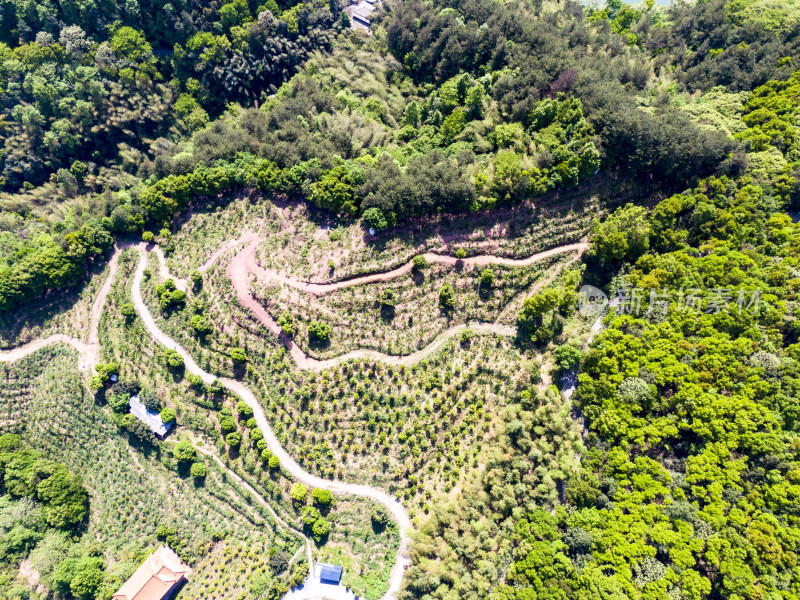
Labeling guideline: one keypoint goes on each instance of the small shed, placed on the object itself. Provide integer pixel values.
(330, 574)
(149, 417)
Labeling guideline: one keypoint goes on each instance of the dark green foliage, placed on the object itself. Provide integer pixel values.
(319, 332)
(24, 473)
(148, 397)
(279, 561)
(119, 403)
(447, 297)
(380, 517)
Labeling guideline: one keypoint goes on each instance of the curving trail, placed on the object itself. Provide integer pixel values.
(248, 256)
(392, 505)
(90, 349)
(183, 283)
(306, 546)
(238, 272)
(16, 354)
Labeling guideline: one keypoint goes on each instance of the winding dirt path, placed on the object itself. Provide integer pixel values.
(248, 257)
(16, 354)
(183, 283)
(288, 463)
(90, 349)
(233, 475)
(239, 274)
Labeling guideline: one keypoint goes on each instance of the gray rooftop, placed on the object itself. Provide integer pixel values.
(149, 417)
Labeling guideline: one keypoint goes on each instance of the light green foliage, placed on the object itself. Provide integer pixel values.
(542, 315)
(320, 529)
(321, 497)
(167, 415)
(286, 323)
(244, 409)
(567, 357)
(319, 332)
(770, 114)
(198, 470)
(507, 135)
(234, 439)
(452, 125)
(419, 262)
(174, 360)
(718, 109)
(184, 452)
(772, 14)
(239, 355)
(374, 217)
(336, 190)
(201, 325)
(487, 277)
(299, 493)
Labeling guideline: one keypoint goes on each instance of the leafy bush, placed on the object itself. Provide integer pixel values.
(238, 355)
(320, 529)
(184, 452)
(279, 562)
(487, 277)
(299, 493)
(198, 470)
(244, 410)
(319, 332)
(447, 297)
(174, 360)
(167, 415)
(286, 323)
(322, 497)
(148, 397)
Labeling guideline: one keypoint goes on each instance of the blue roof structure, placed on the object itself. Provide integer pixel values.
(331, 574)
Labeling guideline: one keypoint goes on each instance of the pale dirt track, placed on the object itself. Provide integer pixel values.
(90, 349)
(392, 505)
(306, 546)
(238, 271)
(248, 256)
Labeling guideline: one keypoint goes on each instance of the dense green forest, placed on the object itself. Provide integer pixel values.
(43, 508)
(674, 470)
(689, 484)
(119, 117)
